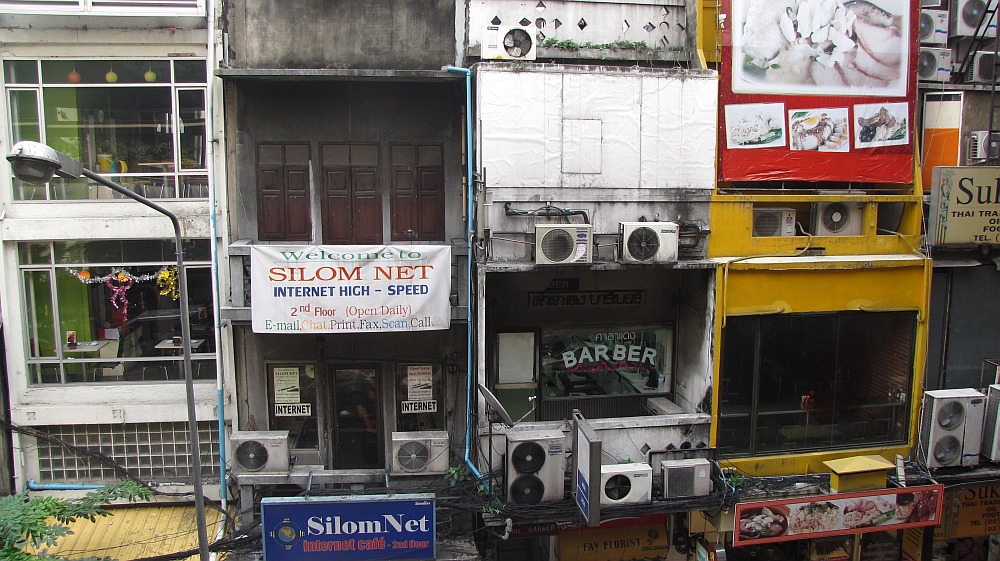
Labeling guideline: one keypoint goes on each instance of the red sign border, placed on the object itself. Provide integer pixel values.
(934, 521)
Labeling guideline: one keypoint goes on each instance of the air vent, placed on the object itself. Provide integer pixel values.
(260, 452)
(420, 453)
(647, 242)
(837, 219)
(686, 478)
(536, 464)
(507, 43)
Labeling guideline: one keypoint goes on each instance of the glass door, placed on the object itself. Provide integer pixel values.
(357, 427)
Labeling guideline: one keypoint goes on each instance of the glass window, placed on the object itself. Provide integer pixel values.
(123, 118)
(421, 397)
(602, 372)
(93, 318)
(293, 403)
(815, 381)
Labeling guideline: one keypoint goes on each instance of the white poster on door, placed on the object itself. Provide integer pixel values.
(349, 289)
(419, 382)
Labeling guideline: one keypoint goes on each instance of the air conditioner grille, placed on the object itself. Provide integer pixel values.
(528, 457)
(413, 455)
(766, 223)
(251, 455)
(680, 481)
(992, 418)
(557, 245)
(926, 26)
(947, 450)
(972, 12)
(927, 64)
(527, 490)
(643, 244)
(618, 487)
(951, 415)
(836, 216)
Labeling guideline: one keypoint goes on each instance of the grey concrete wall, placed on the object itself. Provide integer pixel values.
(374, 34)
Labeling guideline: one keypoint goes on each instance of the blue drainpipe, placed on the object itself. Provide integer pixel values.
(468, 280)
(35, 486)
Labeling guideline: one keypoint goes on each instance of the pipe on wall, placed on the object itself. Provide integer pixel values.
(468, 259)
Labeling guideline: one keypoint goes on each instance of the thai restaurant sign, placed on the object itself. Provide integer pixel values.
(976, 512)
(838, 514)
(342, 289)
(965, 206)
(817, 90)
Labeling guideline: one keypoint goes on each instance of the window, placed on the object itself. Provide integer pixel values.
(815, 381)
(293, 403)
(141, 122)
(421, 397)
(417, 192)
(352, 205)
(603, 372)
(283, 192)
(106, 311)
(104, 7)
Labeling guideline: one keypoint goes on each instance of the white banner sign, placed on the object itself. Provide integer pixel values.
(346, 289)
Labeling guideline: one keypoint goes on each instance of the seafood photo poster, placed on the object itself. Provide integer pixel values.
(852, 56)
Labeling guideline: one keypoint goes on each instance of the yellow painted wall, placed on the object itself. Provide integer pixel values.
(708, 39)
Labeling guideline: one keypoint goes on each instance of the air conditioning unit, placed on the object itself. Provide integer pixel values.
(536, 465)
(951, 428)
(930, 3)
(259, 452)
(934, 65)
(991, 425)
(559, 244)
(507, 43)
(420, 453)
(686, 478)
(837, 219)
(933, 27)
(983, 145)
(770, 222)
(982, 69)
(647, 242)
(623, 484)
(966, 16)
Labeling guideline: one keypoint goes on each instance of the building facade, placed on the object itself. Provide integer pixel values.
(90, 292)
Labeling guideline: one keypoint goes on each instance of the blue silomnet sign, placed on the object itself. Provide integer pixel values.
(348, 528)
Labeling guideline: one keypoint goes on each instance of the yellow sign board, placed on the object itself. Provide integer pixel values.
(616, 543)
(978, 512)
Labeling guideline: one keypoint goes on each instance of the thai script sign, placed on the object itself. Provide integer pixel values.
(978, 512)
(346, 528)
(342, 289)
(838, 514)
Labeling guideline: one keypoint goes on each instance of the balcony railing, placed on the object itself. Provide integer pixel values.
(106, 7)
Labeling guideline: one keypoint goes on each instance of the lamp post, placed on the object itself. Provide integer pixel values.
(36, 163)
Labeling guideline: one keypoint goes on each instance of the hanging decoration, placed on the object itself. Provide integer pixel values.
(120, 280)
(111, 76)
(167, 281)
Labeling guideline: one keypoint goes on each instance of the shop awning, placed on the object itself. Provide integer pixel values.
(134, 532)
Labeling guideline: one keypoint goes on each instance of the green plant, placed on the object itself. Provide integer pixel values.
(35, 523)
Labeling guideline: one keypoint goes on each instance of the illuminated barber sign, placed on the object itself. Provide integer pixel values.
(341, 289)
(348, 529)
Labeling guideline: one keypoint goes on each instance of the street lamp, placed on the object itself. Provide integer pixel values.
(36, 163)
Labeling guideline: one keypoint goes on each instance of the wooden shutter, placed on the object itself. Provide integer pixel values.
(417, 193)
(352, 203)
(283, 202)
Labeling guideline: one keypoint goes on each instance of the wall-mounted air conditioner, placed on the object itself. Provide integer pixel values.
(260, 452)
(991, 425)
(626, 484)
(686, 478)
(420, 453)
(647, 242)
(770, 222)
(536, 464)
(966, 16)
(930, 3)
(983, 145)
(502, 42)
(982, 69)
(837, 218)
(933, 27)
(934, 65)
(951, 428)
(560, 244)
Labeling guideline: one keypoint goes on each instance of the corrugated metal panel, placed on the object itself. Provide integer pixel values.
(134, 532)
